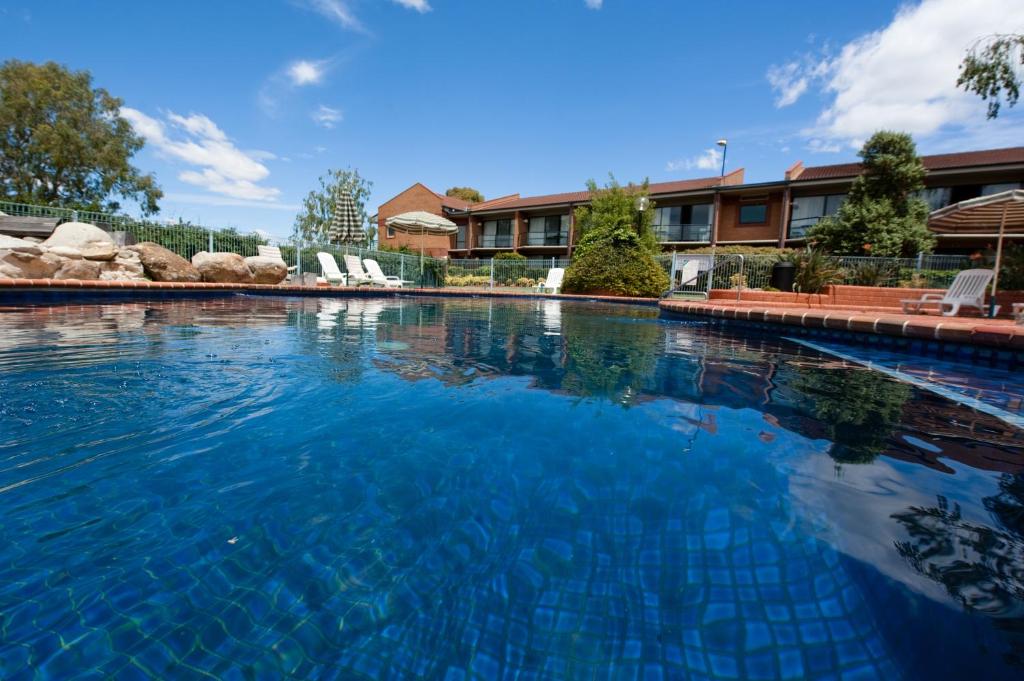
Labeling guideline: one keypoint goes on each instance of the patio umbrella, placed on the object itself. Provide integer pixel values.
(422, 223)
(346, 227)
(986, 216)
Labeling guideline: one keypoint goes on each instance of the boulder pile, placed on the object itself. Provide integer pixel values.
(77, 250)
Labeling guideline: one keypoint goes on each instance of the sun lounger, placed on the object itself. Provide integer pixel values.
(377, 274)
(553, 282)
(274, 253)
(356, 274)
(331, 272)
(967, 290)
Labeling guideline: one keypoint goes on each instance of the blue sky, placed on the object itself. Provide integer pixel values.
(245, 104)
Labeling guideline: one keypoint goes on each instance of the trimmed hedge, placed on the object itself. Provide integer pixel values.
(616, 269)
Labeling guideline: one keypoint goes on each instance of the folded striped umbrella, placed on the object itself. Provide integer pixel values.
(346, 227)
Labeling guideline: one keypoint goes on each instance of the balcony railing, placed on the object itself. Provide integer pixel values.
(669, 233)
(540, 239)
(495, 241)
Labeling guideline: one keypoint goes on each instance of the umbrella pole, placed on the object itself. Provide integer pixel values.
(422, 237)
(999, 261)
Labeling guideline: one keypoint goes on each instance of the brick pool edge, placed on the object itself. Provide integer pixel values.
(995, 333)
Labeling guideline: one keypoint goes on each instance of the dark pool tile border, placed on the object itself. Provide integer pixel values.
(41, 290)
(975, 340)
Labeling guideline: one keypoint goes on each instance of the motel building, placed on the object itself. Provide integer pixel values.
(698, 212)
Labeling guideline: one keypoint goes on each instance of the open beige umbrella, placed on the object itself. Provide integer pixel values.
(422, 223)
(991, 216)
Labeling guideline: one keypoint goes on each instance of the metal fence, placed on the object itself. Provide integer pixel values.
(746, 272)
(500, 273)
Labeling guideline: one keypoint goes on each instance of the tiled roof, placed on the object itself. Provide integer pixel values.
(515, 202)
(963, 159)
(453, 201)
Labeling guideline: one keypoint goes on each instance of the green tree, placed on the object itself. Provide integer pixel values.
(64, 143)
(314, 220)
(466, 194)
(882, 215)
(992, 70)
(616, 250)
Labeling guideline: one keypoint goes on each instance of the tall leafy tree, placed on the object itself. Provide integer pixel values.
(314, 219)
(993, 69)
(63, 142)
(882, 214)
(466, 194)
(616, 249)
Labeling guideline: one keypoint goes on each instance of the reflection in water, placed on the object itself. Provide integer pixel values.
(451, 488)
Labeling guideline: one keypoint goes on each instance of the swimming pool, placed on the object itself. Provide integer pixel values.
(261, 487)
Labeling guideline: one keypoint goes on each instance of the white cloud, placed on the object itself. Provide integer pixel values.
(305, 72)
(820, 146)
(219, 166)
(337, 11)
(420, 6)
(711, 159)
(593, 4)
(326, 117)
(900, 77)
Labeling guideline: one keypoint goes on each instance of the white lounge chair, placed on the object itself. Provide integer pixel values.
(967, 290)
(274, 253)
(331, 272)
(356, 274)
(552, 282)
(377, 274)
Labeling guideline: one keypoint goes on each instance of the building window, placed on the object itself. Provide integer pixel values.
(497, 234)
(807, 211)
(753, 213)
(460, 237)
(935, 197)
(989, 189)
(548, 230)
(391, 232)
(684, 223)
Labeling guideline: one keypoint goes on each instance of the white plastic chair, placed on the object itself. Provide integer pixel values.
(356, 274)
(967, 290)
(274, 253)
(552, 282)
(377, 275)
(331, 272)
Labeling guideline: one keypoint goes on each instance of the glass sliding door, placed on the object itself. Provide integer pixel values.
(807, 211)
(497, 234)
(548, 230)
(684, 223)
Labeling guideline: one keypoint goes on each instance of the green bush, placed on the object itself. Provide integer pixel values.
(622, 270)
(509, 255)
(815, 271)
(738, 250)
(1011, 271)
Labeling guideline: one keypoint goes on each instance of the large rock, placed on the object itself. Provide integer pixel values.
(67, 252)
(78, 269)
(267, 270)
(91, 241)
(223, 268)
(127, 268)
(21, 265)
(10, 243)
(162, 264)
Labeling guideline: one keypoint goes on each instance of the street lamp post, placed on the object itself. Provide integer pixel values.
(724, 143)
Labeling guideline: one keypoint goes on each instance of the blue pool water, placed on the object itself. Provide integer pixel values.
(263, 488)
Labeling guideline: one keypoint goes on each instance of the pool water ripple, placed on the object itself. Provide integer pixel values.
(254, 487)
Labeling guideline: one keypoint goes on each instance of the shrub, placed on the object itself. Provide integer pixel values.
(873, 274)
(623, 270)
(509, 255)
(525, 282)
(1011, 270)
(814, 271)
(466, 280)
(617, 248)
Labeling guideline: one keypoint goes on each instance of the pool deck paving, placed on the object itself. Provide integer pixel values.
(1001, 333)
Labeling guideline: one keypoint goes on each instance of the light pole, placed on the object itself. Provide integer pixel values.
(724, 143)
